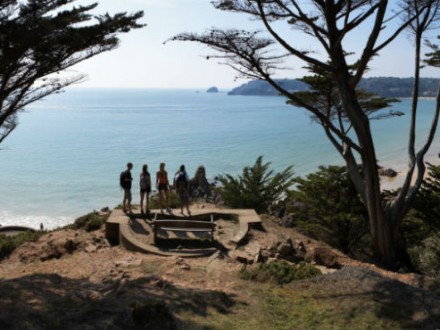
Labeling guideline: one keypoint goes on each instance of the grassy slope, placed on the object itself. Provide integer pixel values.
(350, 299)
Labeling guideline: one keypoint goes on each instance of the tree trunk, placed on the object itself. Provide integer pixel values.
(381, 222)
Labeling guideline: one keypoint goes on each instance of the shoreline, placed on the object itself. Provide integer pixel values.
(393, 183)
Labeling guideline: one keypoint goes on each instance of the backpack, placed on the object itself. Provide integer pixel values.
(181, 180)
(125, 179)
(122, 179)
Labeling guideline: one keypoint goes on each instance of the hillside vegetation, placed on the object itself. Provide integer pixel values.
(381, 86)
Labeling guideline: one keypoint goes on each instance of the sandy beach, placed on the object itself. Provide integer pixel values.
(388, 183)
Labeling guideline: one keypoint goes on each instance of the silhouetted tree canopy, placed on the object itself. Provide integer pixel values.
(41, 38)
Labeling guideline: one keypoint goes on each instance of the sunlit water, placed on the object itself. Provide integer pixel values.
(65, 157)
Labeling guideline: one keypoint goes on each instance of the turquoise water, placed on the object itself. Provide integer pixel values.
(65, 157)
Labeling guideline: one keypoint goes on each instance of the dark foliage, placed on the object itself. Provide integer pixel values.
(327, 207)
(421, 226)
(41, 38)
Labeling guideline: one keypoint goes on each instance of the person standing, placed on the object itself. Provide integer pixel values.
(145, 188)
(162, 186)
(125, 183)
(181, 184)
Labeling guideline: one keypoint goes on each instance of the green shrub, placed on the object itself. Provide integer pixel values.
(326, 206)
(426, 256)
(280, 272)
(93, 224)
(9, 243)
(257, 188)
(421, 227)
(89, 222)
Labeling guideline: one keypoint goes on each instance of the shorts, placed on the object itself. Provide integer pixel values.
(146, 190)
(162, 186)
(127, 194)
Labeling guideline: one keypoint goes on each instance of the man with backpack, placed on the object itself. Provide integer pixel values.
(181, 184)
(125, 183)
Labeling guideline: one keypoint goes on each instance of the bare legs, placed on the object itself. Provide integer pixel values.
(127, 200)
(147, 202)
(167, 200)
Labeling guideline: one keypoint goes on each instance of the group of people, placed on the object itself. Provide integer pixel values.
(163, 186)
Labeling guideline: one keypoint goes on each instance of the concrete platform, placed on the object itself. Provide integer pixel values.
(134, 232)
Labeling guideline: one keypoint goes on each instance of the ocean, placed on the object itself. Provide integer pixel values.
(65, 157)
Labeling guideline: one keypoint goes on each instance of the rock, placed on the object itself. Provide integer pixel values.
(182, 263)
(389, 172)
(323, 256)
(299, 246)
(284, 250)
(185, 267)
(212, 90)
(105, 209)
(242, 257)
(90, 248)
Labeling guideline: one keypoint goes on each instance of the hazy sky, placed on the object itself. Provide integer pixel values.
(142, 60)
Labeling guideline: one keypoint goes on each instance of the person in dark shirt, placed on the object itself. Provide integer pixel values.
(181, 184)
(126, 186)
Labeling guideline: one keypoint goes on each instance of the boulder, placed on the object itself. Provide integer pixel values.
(323, 256)
(284, 247)
(243, 257)
(389, 172)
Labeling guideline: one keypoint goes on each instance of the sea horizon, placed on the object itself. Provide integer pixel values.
(65, 157)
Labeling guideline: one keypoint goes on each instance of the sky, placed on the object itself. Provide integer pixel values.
(142, 60)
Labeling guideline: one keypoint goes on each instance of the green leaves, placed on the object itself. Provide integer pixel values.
(327, 207)
(258, 187)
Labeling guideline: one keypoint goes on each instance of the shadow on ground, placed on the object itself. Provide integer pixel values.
(411, 307)
(49, 301)
(363, 294)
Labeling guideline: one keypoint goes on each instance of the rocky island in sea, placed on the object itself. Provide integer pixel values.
(212, 89)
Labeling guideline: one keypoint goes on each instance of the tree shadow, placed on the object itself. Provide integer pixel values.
(363, 291)
(411, 307)
(50, 301)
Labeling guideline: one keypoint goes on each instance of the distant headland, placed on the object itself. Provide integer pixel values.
(382, 86)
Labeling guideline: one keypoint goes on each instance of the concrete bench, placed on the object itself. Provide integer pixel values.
(184, 225)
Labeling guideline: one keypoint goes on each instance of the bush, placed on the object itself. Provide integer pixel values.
(426, 256)
(257, 188)
(280, 272)
(327, 207)
(9, 243)
(89, 222)
(421, 227)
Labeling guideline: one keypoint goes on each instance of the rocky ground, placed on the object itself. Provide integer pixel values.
(72, 279)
